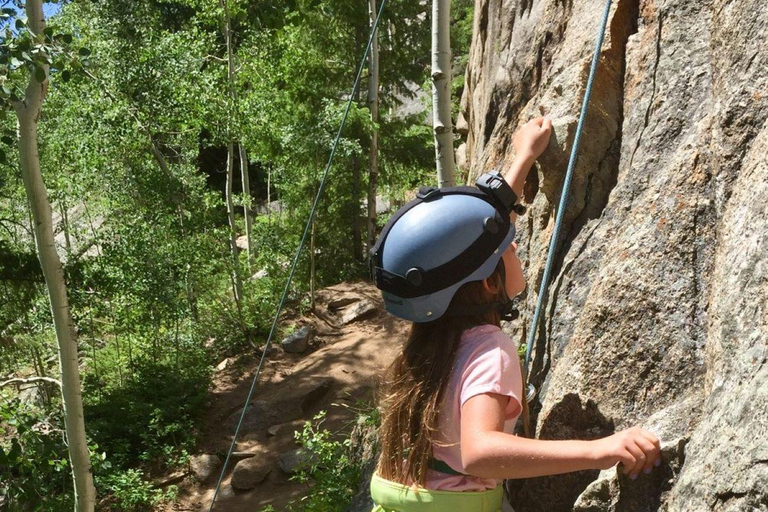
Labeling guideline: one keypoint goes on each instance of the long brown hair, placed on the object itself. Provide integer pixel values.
(416, 381)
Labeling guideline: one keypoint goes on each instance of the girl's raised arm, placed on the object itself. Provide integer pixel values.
(488, 452)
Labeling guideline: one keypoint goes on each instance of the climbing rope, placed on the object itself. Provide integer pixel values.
(298, 252)
(563, 200)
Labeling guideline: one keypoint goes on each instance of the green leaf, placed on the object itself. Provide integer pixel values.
(8, 10)
(26, 56)
(6, 90)
(20, 24)
(84, 51)
(15, 62)
(48, 31)
(6, 139)
(67, 38)
(2, 157)
(66, 75)
(40, 75)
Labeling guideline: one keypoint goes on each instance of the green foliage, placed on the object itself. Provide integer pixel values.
(158, 408)
(333, 473)
(133, 151)
(34, 468)
(130, 492)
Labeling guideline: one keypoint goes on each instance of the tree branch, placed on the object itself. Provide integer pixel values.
(29, 380)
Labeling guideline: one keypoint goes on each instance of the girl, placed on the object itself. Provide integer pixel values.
(447, 262)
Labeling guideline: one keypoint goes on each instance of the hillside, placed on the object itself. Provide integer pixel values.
(339, 373)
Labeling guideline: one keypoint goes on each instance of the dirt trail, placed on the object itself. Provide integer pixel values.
(354, 356)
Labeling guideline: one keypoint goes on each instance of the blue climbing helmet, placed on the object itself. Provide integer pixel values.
(444, 238)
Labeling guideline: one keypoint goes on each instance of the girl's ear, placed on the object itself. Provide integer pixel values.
(490, 286)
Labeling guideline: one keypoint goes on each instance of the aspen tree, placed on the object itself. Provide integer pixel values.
(373, 106)
(28, 110)
(441, 92)
(237, 279)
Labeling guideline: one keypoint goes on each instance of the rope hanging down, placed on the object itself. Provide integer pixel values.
(298, 251)
(564, 197)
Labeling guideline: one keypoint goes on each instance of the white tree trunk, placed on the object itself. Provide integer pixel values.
(236, 278)
(441, 92)
(238, 281)
(28, 112)
(373, 106)
(247, 212)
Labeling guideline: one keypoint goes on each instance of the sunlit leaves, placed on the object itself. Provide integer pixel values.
(24, 54)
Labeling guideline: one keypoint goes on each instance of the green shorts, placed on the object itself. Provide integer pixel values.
(393, 497)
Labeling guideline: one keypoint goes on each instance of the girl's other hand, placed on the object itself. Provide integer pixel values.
(532, 139)
(636, 448)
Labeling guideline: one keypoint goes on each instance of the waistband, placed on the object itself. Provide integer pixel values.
(393, 497)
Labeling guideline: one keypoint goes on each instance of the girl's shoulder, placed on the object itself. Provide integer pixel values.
(488, 335)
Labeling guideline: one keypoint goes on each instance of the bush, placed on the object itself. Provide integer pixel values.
(157, 408)
(333, 471)
(131, 493)
(34, 468)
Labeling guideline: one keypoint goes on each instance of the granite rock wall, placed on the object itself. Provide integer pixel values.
(656, 313)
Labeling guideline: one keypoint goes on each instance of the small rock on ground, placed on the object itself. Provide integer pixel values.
(204, 466)
(357, 311)
(297, 342)
(250, 472)
(294, 460)
(342, 302)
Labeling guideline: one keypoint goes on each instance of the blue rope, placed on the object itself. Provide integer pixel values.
(298, 251)
(564, 197)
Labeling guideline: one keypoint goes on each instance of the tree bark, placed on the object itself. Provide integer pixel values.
(247, 212)
(441, 92)
(236, 277)
(28, 112)
(357, 232)
(373, 107)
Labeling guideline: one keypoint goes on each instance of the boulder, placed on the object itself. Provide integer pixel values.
(298, 342)
(295, 460)
(248, 473)
(357, 311)
(226, 492)
(293, 400)
(342, 302)
(364, 446)
(204, 467)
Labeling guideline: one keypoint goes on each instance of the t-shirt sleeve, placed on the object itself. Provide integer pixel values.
(494, 368)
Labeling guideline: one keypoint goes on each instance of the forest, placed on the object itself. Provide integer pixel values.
(181, 145)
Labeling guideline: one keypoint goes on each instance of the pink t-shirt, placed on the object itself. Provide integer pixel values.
(486, 362)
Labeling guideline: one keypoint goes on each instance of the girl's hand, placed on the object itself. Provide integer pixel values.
(532, 139)
(636, 448)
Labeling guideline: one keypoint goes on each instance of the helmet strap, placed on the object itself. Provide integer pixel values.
(505, 310)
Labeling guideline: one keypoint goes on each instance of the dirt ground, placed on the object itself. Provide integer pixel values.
(354, 356)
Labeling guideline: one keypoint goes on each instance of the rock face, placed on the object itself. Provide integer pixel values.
(659, 291)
